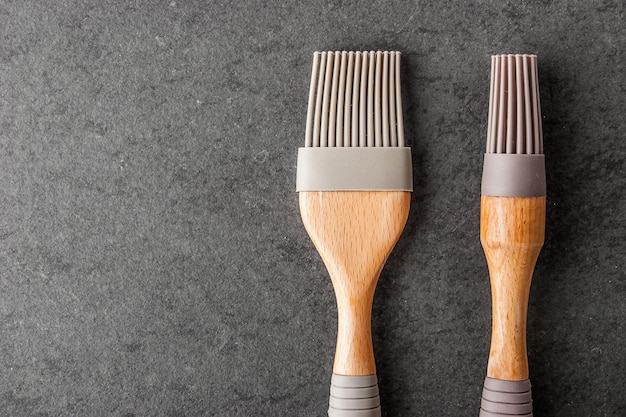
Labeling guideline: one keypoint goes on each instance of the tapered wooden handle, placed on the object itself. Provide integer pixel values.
(354, 232)
(512, 233)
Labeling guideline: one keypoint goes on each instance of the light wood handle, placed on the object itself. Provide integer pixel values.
(354, 232)
(512, 233)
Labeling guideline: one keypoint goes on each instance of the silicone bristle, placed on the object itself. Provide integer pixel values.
(355, 100)
(514, 125)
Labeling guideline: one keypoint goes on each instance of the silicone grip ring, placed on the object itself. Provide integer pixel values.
(354, 396)
(506, 398)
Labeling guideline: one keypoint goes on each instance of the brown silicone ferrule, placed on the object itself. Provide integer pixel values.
(514, 175)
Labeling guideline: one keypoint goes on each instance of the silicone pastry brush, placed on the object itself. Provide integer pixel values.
(354, 181)
(512, 226)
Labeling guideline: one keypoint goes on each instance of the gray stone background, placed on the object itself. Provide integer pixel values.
(152, 258)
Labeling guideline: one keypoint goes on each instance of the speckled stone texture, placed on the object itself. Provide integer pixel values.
(152, 258)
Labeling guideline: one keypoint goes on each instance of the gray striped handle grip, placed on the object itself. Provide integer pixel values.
(506, 398)
(354, 396)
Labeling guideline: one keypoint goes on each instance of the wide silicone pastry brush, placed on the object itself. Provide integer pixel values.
(354, 182)
(512, 226)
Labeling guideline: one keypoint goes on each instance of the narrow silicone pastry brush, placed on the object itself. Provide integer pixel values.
(512, 226)
(354, 182)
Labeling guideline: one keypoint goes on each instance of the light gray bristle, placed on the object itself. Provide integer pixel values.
(355, 100)
(514, 125)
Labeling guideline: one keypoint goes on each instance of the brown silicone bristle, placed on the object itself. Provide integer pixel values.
(514, 110)
(355, 100)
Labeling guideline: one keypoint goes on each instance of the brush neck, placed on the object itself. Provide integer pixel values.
(354, 232)
(512, 233)
(355, 353)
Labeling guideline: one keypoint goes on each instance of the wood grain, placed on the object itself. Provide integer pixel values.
(512, 233)
(354, 232)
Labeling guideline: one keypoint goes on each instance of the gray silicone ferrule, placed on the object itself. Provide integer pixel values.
(514, 175)
(506, 398)
(354, 169)
(354, 396)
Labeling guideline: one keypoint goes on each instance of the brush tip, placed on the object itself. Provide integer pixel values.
(514, 125)
(515, 55)
(355, 100)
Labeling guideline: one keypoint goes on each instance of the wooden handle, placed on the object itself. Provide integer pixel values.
(354, 232)
(512, 233)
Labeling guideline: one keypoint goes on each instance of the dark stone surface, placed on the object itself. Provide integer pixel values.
(152, 259)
